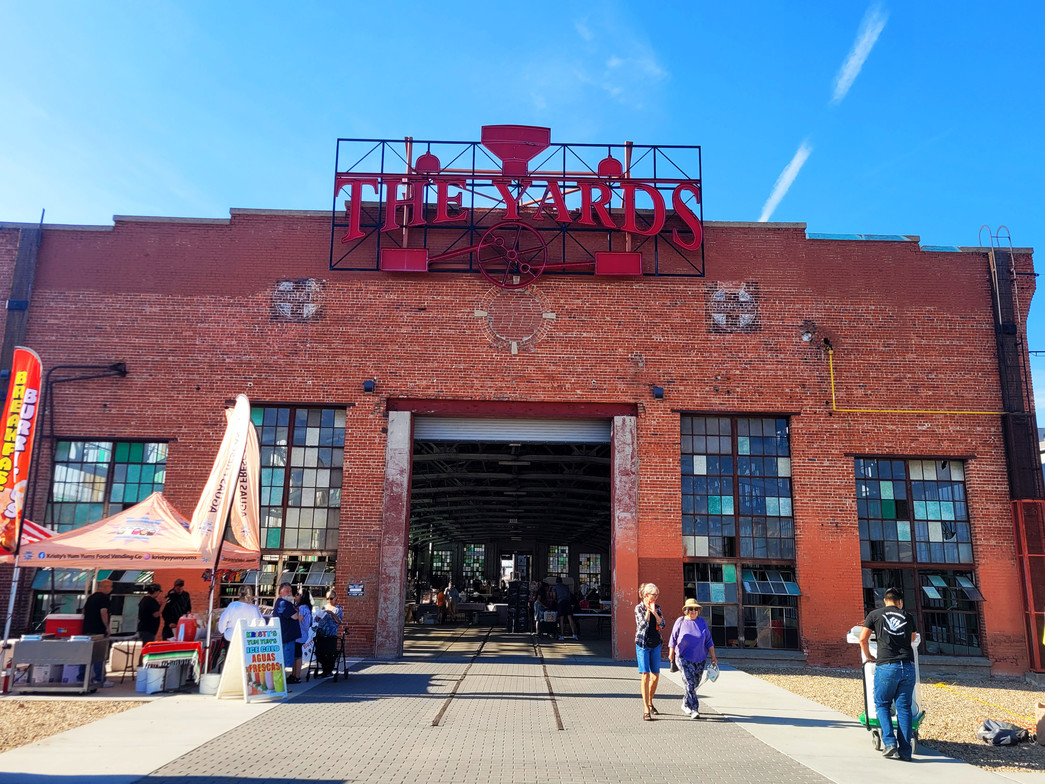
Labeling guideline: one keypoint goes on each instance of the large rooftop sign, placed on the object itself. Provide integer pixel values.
(514, 206)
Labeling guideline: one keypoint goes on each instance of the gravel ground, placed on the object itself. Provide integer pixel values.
(26, 721)
(954, 711)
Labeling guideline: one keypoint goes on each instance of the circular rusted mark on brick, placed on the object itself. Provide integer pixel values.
(298, 300)
(515, 320)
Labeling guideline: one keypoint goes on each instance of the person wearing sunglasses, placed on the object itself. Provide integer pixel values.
(689, 647)
(649, 620)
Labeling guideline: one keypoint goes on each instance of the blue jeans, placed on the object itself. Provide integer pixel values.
(894, 682)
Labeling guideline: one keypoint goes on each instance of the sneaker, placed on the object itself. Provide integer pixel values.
(108, 685)
(890, 752)
(685, 709)
(694, 714)
(561, 638)
(576, 637)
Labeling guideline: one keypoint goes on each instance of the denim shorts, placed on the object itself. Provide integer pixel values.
(649, 659)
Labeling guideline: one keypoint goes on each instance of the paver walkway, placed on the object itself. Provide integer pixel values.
(466, 705)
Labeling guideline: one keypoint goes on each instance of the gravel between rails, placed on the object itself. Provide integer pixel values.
(27, 721)
(954, 711)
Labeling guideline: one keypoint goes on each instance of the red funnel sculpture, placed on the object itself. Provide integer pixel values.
(515, 145)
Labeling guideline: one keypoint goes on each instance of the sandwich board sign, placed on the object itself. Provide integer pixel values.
(254, 666)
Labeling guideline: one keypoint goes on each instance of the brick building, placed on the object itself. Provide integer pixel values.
(814, 419)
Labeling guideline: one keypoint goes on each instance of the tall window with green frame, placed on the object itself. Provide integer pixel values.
(95, 479)
(738, 530)
(302, 459)
(558, 560)
(916, 535)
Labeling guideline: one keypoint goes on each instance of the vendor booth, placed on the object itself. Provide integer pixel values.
(150, 534)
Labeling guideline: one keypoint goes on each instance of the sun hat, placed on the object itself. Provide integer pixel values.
(691, 604)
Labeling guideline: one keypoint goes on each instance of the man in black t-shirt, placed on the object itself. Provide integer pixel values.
(149, 614)
(894, 676)
(96, 621)
(179, 603)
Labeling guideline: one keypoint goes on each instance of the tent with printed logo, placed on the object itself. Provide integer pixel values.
(149, 535)
(31, 534)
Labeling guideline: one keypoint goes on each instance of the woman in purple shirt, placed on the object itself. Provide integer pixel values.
(689, 647)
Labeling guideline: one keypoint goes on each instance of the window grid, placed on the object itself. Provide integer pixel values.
(943, 601)
(737, 505)
(474, 565)
(589, 571)
(302, 460)
(95, 479)
(442, 563)
(736, 490)
(912, 511)
(559, 560)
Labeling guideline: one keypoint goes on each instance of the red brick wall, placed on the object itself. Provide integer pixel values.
(188, 307)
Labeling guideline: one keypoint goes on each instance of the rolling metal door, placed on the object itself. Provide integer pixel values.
(588, 431)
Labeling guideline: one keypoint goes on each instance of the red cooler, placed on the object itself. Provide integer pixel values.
(186, 631)
(63, 625)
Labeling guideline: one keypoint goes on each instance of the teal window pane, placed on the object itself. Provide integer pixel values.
(121, 452)
(932, 510)
(117, 493)
(743, 445)
(947, 510)
(729, 573)
(785, 507)
(888, 509)
(136, 451)
(727, 504)
(773, 506)
(919, 511)
(903, 530)
(887, 490)
(272, 538)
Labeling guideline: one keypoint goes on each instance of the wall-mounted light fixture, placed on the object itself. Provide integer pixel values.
(658, 393)
(368, 385)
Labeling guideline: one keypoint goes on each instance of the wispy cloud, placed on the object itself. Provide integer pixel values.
(581, 26)
(783, 183)
(870, 28)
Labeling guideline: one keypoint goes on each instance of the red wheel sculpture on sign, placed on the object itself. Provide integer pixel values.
(512, 255)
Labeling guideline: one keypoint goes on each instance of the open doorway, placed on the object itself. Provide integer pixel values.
(491, 517)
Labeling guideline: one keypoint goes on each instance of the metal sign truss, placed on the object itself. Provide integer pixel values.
(513, 206)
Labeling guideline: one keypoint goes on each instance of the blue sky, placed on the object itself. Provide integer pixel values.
(871, 118)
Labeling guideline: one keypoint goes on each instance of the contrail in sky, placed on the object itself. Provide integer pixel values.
(783, 182)
(871, 27)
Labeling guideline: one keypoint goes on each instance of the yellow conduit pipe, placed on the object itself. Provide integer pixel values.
(834, 407)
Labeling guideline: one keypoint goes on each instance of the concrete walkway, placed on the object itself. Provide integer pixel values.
(475, 707)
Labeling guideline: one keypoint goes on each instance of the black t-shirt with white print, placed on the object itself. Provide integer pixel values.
(893, 628)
